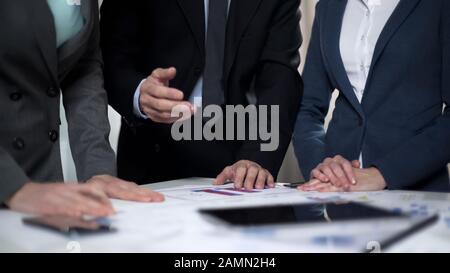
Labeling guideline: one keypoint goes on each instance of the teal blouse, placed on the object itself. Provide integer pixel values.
(68, 19)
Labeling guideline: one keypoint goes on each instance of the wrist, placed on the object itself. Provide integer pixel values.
(100, 179)
(8, 202)
(380, 177)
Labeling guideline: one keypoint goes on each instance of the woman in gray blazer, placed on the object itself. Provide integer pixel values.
(49, 49)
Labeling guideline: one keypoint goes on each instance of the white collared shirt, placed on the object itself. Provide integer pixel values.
(362, 25)
(363, 22)
(197, 92)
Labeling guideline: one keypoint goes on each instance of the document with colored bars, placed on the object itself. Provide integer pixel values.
(210, 193)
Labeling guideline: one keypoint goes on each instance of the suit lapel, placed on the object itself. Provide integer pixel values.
(403, 10)
(44, 29)
(400, 14)
(194, 11)
(332, 29)
(240, 15)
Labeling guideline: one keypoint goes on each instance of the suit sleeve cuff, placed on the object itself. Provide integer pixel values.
(12, 179)
(391, 175)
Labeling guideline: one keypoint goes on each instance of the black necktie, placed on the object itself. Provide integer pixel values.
(213, 90)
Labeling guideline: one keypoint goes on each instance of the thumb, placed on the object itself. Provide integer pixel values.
(225, 175)
(164, 75)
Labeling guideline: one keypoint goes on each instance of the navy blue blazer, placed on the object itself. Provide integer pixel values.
(400, 125)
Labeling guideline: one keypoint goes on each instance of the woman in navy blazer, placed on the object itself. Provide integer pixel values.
(401, 127)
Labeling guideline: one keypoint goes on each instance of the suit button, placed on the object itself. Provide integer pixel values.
(52, 92)
(19, 144)
(197, 71)
(157, 148)
(15, 96)
(53, 136)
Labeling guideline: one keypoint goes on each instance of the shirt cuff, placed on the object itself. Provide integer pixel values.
(136, 106)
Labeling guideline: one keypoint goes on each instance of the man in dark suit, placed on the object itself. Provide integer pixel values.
(43, 52)
(218, 50)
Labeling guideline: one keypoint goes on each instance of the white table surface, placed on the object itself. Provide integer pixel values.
(175, 226)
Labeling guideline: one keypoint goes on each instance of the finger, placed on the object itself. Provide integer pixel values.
(270, 181)
(339, 173)
(317, 174)
(164, 75)
(96, 192)
(130, 191)
(124, 194)
(124, 190)
(261, 179)
(324, 187)
(239, 177)
(160, 117)
(250, 178)
(306, 185)
(85, 205)
(183, 111)
(135, 188)
(348, 169)
(329, 188)
(158, 197)
(328, 160)
(146, 194)
(224, 176)
(329, 173)
(315, 186)
(163, 92)
(164, 105)
(310, 184)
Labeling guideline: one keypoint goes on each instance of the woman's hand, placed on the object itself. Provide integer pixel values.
(61, 199)
(367, 180)
(119, 189)
(91, 198)
(337, 170)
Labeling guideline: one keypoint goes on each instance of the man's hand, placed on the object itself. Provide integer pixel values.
(157, 99)
(367, 180)
(246, 174)
(119, 189)
(338, 171)
(61, 199)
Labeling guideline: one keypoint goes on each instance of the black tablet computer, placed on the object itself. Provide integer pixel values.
(71, 225)
(392, 225)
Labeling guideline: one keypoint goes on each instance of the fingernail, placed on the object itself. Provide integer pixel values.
(354, 182)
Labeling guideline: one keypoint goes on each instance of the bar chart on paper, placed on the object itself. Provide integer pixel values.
(195, 193)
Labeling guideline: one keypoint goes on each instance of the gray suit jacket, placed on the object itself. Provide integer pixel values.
(32, 71)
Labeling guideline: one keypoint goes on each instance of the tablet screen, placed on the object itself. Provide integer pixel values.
(299, 214)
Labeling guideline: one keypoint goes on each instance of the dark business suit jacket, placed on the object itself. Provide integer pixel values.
(400, 126)
(263, 38)
(32, 71)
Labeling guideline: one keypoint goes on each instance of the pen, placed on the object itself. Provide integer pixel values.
(290, 185)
